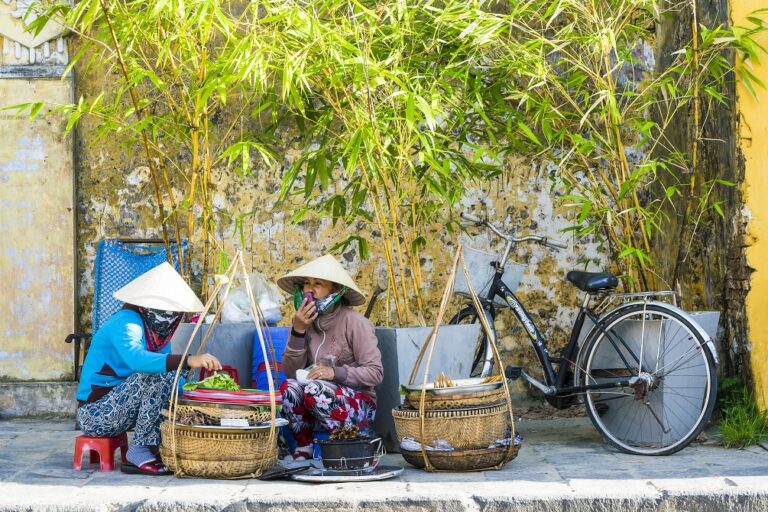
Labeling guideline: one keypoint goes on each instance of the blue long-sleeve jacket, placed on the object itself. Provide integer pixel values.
(118, 350)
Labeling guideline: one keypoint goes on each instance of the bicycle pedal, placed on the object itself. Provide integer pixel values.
(513, 372)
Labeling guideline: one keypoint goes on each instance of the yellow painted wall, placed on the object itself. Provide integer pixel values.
(753, 133)
(36, 235)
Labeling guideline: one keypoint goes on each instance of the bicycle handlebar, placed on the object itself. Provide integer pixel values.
(553, 244)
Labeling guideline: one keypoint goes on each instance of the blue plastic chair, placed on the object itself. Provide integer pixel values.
(279, 337)
(118, 262)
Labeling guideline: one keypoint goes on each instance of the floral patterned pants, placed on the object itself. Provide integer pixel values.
(324, 405)
(136, 402)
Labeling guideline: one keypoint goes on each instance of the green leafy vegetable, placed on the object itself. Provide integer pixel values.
(216, 381)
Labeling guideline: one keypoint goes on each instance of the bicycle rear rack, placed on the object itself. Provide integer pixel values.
(619, 298)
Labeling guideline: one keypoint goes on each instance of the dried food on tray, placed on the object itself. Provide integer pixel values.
(279, 422)
(460, 386)
(443, 381)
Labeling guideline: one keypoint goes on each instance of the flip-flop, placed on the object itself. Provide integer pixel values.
(152, 468)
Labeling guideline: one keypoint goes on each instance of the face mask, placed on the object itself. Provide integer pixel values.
(323, 304)
(160, 322)
(328, 301)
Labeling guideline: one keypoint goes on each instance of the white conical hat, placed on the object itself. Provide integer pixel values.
(325, 267)
(160, 288)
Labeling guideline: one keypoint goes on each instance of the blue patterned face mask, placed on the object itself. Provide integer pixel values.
(329, 300)
(323, 304)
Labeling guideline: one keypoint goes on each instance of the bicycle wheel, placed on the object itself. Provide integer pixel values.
(673, 391)
(482, 362)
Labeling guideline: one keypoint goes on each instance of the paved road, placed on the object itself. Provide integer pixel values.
(563, 466)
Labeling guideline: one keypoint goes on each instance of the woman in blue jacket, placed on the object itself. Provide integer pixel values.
(129, 370)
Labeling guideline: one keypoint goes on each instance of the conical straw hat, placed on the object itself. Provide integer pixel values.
(160, 288)
(326, 267)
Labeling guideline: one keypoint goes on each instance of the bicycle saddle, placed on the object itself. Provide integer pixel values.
(592, 281)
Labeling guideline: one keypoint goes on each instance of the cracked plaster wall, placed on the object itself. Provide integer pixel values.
(36, 204)
(115, 199)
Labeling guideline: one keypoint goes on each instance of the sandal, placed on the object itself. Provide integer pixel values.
(298, 455)
(152, 468)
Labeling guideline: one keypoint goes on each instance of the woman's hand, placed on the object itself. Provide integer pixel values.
(304, 316)
(207, 361)
(321, 373)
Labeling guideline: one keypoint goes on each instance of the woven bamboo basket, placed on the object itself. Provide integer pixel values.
(463, 460)
(434, 402)
(214, 413)
(218, 453)
(476, 427)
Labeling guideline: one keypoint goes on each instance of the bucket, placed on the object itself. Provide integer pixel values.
(350, 453)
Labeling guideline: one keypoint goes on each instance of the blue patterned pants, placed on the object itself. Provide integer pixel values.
(136, 403)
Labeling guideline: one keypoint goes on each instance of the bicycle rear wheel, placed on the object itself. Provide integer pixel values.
(482, 362)
(674, 385)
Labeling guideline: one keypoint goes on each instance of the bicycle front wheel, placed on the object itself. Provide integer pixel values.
(672, 373)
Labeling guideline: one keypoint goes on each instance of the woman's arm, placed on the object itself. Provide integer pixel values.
(367, 370)
(295, 354)
(127, 338)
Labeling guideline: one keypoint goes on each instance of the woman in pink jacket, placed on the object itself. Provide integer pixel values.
(334, 350)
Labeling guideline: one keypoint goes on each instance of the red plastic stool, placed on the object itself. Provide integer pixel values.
(102, 450)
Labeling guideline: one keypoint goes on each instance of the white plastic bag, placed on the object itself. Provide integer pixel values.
(268, 296)
(237, 307)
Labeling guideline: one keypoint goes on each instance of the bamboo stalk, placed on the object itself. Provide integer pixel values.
(139, 114)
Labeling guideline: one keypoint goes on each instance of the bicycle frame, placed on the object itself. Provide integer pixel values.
(556, 382)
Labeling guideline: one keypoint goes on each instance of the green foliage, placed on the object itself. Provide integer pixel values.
(581, 94)
(393, 100)
(216, 381)
(742, 423)
(186, 80)
(404, 104)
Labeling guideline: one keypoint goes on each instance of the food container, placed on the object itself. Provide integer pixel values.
(350, 454)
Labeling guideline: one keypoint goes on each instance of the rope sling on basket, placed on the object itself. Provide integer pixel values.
(223, 452)
(472, 428)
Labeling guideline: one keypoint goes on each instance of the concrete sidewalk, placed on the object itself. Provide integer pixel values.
(563, 465)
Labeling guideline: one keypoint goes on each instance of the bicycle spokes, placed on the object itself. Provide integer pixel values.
(669, 376)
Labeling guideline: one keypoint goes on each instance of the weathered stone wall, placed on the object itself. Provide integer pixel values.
(714, 275)
(115, 199)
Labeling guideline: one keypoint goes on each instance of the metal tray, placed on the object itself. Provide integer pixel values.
(228, 405)
(331, 476)
(462, 386)
(265, 425)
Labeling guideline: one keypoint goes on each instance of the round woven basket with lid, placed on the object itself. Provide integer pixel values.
(218, 453)
(476, 427)
(212, 451)
(472, 427)
(457, 401)
(462, 460)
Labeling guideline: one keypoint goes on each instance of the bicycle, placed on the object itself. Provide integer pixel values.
(645, 370)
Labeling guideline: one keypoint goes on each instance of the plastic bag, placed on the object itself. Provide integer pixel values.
(268, 296)
(237, 307)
